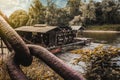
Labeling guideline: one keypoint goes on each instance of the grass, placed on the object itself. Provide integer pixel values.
(3, 73)
(37, 71)
(105, 27)
(40, 71)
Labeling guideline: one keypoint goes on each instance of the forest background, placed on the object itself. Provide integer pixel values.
(76, 12)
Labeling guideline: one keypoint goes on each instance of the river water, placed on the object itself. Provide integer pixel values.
(98, 38)
(104, 38)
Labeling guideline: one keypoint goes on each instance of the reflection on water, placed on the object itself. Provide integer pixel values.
(108, 38)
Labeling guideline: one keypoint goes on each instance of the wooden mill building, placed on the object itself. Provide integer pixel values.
(47, 35)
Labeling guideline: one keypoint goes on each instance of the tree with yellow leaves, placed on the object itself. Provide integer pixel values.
(18, 18)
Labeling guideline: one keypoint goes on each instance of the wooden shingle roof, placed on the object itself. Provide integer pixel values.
(40, 29)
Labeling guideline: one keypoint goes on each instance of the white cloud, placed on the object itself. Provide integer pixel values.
(9, 6)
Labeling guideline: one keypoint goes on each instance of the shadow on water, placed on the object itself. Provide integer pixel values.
(107, 38)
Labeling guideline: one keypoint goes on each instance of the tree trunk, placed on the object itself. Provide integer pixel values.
(55, 63)
(4, 16)
(14, 70)
(23, 55)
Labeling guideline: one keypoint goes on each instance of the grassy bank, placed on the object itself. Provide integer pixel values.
(105, 27)
(38, 70)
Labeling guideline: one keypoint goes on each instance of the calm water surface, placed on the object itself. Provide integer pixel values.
(105, 38)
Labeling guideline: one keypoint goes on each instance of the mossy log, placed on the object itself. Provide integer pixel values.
(23, 54)
(55, 63)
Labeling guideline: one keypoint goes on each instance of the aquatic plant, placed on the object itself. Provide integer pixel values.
(100, 65)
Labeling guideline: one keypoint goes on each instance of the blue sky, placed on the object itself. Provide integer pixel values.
(59, 3)
(9, 6)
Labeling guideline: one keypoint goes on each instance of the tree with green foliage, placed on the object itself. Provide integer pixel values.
(56, 16)
(107, 12)
(88, 12)
(63, 17)
(73, 6)
(18, 18)
(36, 13)
(51, 10)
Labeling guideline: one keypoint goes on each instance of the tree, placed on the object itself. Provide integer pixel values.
(88, 12)
(18, 18)
(73, 6)
(98, 11)
(109, 10)
(63, 17)
(106, 12)
(50, 14)
(36, 13)
(51, 10)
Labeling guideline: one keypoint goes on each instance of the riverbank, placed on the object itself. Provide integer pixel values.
(105, 27)
(101, 31)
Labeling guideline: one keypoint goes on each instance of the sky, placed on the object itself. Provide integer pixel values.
(9, 6)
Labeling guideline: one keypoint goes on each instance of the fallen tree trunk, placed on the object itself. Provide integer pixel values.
(4, 16)
(9, 47)
(6, 32)
(55, 63)
(14, 70)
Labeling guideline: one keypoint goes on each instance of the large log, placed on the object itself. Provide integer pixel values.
(23, 54)
(55, 63)
(4, 16)
(14, 70)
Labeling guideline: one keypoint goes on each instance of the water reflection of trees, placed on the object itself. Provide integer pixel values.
(109, 37)
(117, 42)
